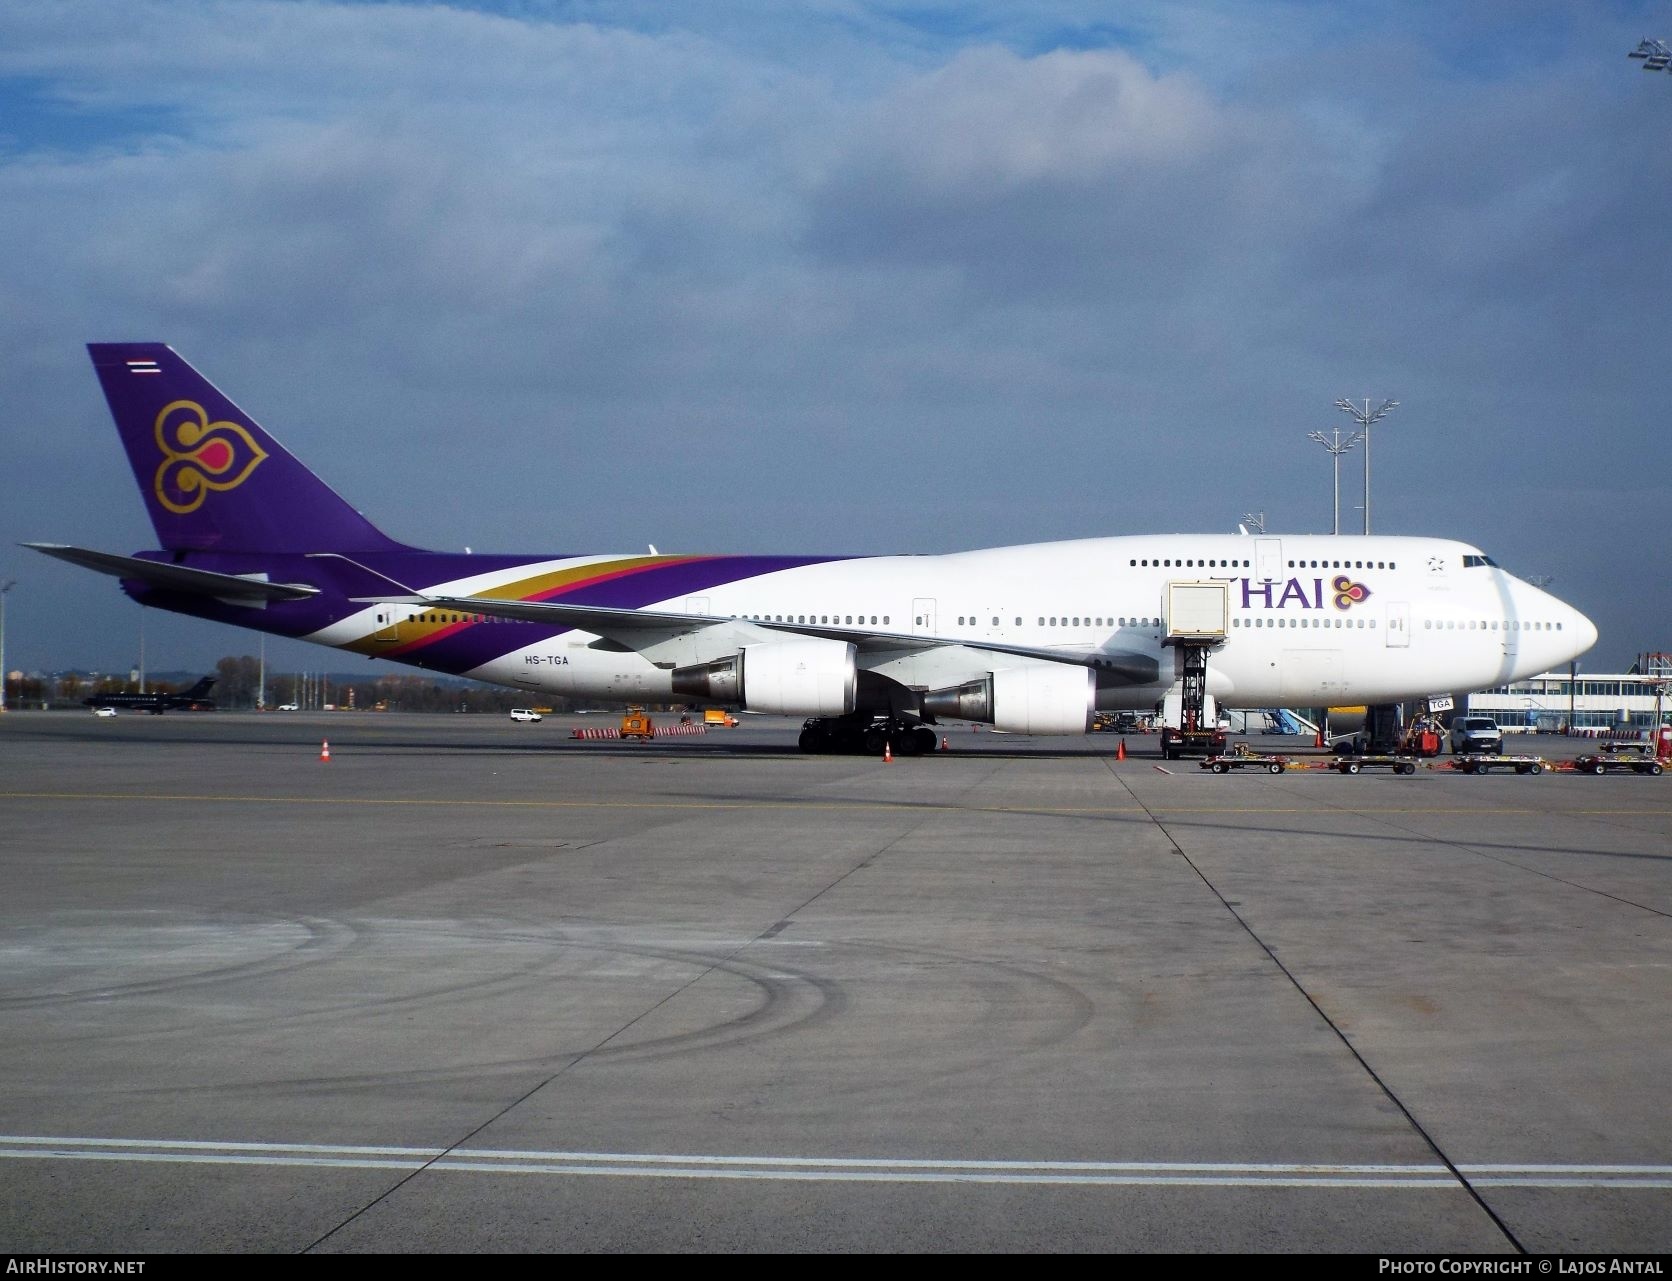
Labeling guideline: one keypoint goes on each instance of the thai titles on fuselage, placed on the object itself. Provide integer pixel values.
(1341, 592)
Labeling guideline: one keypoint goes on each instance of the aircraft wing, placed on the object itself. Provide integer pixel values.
(636, 628)
(176, 578)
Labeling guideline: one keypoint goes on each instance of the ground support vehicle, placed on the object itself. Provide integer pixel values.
(636, 723)
(1242, 757)
(1619, 758)
(1475, 736)
(1423, 738)
(1188, 742)
(1485, 762)
(1357, 764)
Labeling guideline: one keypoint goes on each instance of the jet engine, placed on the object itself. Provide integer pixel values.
(805, 677)
(1042, 698)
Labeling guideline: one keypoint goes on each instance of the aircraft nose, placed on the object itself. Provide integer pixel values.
(1586, 632)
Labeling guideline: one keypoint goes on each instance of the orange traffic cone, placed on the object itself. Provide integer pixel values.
(1120, 752)
(1319, 741)
(945, 746)
(325, 750)
(887, 752)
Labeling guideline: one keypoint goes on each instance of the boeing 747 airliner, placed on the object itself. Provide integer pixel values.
(1031, 639)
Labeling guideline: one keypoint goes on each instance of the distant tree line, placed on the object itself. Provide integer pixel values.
(239, 682)
(238, 685)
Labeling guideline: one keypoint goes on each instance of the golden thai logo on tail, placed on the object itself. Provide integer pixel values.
(199, 455)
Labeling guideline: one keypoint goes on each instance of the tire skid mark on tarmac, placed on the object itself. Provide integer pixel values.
(779, 999)
(323, 940)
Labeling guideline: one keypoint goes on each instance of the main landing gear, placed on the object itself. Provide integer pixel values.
(866, 735)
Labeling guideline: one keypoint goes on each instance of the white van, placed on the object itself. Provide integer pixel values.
(524, 714)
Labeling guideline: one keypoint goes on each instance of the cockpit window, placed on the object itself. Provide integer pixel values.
(1475, 562)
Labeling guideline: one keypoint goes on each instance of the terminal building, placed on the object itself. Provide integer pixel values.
(1557, 702)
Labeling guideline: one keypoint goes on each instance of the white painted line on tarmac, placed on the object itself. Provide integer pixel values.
(198, 1144)
(827, 1169)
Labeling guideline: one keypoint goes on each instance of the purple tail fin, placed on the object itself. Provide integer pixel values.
(211, 477)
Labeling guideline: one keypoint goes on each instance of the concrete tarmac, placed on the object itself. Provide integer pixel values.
(474, 986)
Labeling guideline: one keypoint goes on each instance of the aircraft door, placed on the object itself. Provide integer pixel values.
(388, 624)
(1307, 671)
(1268, 559)
(696, 604)
(1399, 625)
(923, 616)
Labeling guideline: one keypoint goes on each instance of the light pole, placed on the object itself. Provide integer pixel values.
(1656, 55)
(4, 588)
(1336, 447)
(1364, 418)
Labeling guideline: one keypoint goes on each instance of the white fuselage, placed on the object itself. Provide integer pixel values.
(1314, 620)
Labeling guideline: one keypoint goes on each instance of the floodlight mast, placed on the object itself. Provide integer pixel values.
(4, 588)
(1336, 447)
(1656, 55)
(1365, 418)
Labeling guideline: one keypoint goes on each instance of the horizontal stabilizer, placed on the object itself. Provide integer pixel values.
(176, 578)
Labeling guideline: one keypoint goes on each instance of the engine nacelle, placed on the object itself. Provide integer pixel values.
(803, 677)
(1041, 698)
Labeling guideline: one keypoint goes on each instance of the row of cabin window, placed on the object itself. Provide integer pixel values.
(835, 620)
(1343, 564)
(1171, 563)
(461, 618)
(1191, 564)
(1303, 622)
(1429, 624)
(1511, 625)
(1064, 622)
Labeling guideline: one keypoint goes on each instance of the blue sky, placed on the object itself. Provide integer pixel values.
(845, 277)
